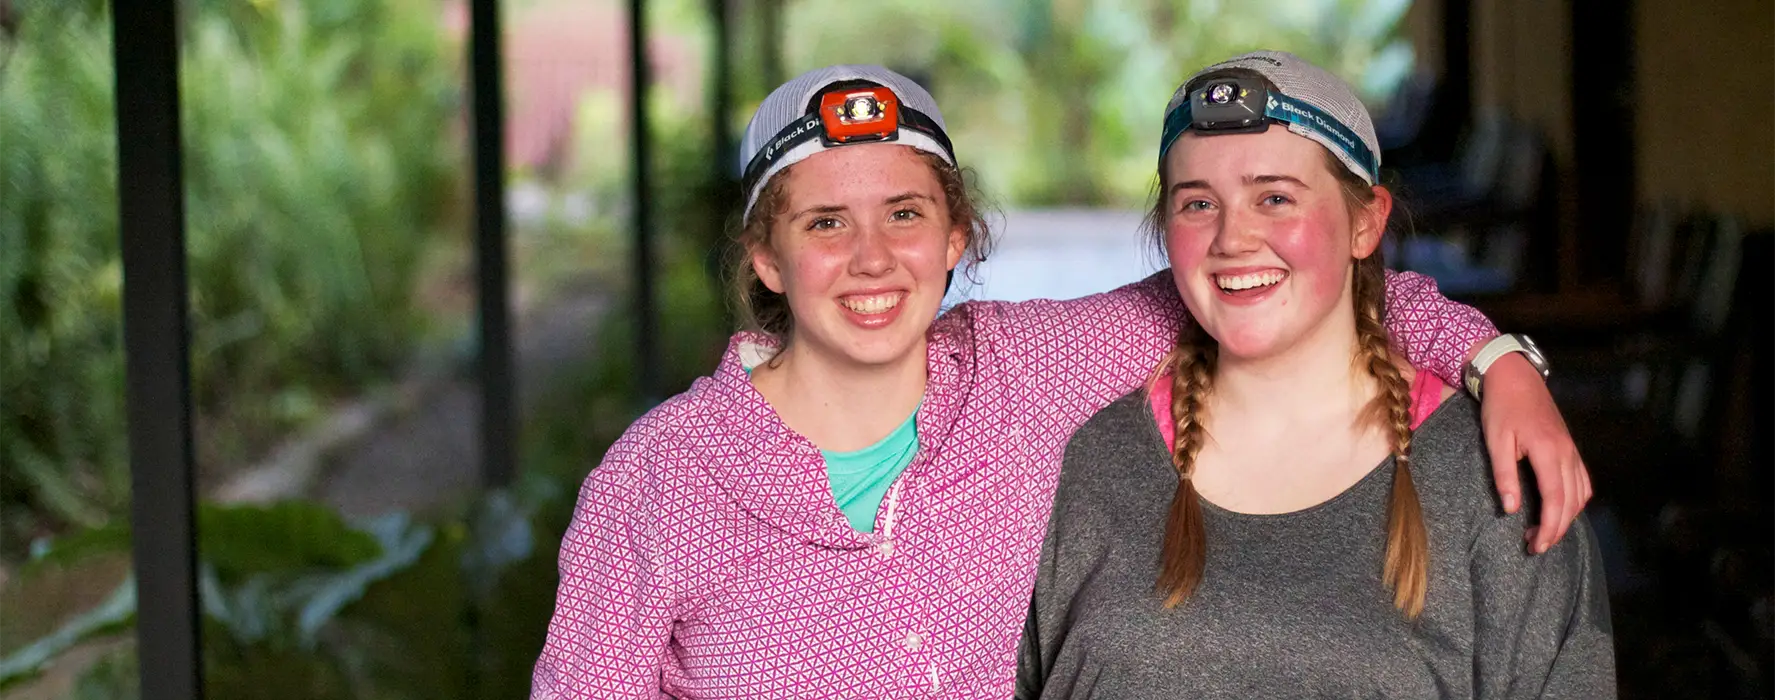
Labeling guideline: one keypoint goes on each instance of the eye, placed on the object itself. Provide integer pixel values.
(907, 214)
(1196, 205)
(822, 223)
(1275, 200)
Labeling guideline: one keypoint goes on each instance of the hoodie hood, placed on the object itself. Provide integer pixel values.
(778, 476)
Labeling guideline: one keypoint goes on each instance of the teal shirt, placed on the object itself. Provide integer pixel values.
(860, 479)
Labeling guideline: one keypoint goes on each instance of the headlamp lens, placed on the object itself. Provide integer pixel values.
(862, 107)
(1222, 93)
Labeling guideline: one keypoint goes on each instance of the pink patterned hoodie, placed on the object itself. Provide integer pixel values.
(707, 558)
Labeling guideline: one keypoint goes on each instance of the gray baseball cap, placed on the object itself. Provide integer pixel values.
(787, 126)
(1308, 99)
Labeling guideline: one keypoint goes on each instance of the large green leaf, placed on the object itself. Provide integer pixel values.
(284, 538)
(402, 542)
(237, 540)
(76, 546)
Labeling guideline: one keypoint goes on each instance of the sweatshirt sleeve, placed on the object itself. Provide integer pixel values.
(1541, 623)
(613, 613)
(1080, 354)
(1433, 332)
(1103, 346)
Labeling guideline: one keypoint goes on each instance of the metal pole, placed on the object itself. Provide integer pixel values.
(151, 222)
(771, 47)
(646, 332)
(723, 186)
(722, 80)
(498, 451)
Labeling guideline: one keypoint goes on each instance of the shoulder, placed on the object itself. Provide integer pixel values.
(1450, 465)
(1120, 434)
(1450, 436)
(662, 453)
(657, 489)
(1124, 420)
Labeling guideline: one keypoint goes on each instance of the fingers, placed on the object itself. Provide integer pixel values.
(1557, 486)
(1584, 472)
(1504, 456)
(1574, 496)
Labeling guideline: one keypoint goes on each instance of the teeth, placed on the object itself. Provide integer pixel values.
(874, 304)
(1247, 281)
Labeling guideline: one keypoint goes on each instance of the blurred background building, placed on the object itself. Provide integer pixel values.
(415, 318)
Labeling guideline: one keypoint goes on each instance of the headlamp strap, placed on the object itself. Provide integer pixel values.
(810, 126)
(1283, 109)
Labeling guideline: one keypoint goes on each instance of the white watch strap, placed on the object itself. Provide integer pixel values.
(1498, 347)
(1488, 354)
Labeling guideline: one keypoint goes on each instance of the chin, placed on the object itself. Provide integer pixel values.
(1249, 342)
(883, 347)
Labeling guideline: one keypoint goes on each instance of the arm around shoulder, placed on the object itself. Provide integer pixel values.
(1099, 346)
(1434, 332)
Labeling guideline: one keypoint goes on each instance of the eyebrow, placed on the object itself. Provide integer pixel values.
(908, 196)
(822, 209)
(836, 208)
(1248, 179)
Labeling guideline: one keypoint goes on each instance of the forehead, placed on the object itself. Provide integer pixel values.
(861, 172)
(1231, 157)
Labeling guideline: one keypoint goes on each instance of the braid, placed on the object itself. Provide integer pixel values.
(1184, 554)
(1408, 551)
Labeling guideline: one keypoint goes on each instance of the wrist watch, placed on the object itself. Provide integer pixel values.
(1498, 347)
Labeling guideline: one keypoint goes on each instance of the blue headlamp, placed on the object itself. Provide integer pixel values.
(1239, 101)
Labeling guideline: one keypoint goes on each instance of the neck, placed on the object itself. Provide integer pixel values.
(837, 405)
(1312, 377)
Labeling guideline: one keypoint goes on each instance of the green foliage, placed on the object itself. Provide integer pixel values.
(1058, 102)
(61, 373)
(319, 172)
(114, 677)
(324, 608)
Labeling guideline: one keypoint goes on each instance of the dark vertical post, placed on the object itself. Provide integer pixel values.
(1452, 109)
(497, 419)
(723, 181)
(151, 219)
(722, 107)
(646, 330)
(1602, 146)
(771, 48)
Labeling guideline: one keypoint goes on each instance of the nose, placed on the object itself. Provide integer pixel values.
(872, 256)
(1237, 235)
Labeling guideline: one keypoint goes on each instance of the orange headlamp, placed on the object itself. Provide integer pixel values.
(845, 114)
(864, 114)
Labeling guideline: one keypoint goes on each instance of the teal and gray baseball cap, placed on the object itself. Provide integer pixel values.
(1249, 93)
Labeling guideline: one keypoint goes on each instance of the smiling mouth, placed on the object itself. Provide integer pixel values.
(871, 304)
(1250, 280)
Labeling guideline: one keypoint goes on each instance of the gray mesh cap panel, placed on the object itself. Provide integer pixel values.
(788, 104)
(1301, 80)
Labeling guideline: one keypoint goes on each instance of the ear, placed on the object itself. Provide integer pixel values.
(764, 262)
(1371, 223)
(958, 244)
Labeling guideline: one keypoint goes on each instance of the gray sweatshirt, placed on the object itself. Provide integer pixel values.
(1292, 605)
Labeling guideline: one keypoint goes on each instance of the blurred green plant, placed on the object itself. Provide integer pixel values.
(319, 172)
(299, 603)
(1058, 102)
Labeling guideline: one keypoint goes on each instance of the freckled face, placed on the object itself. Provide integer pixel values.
(1259, 238)
(862, 251)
